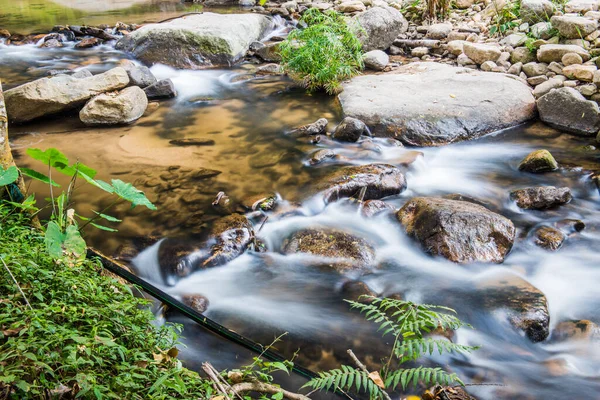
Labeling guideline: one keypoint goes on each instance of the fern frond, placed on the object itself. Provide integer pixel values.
(346, 378)
(375, 314)
(427, 376)
(412, 349)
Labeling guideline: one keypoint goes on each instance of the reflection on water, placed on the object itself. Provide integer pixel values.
(263, 295)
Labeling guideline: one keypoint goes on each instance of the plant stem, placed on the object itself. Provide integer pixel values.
(98, 215)
(16, 283)
(51, 191)
(364, 369)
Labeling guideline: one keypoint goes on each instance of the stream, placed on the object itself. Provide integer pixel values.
(263, 295)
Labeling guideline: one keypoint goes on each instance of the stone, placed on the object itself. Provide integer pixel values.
(541, 197)
(538, 161)
(488, 66)
(138, 75)
(536, 80)
(556, 68)
(196, 301)
(516, 69)
(525, 306)
(196, 41)
(52, 95)
(88, 42)
(163, 89)
(347, 250)
(555, 52)
(115, 108)
(316, 128)
(464, 4)
(549, 238)
(460, 104)
(350, 130)
(378, 27)
(419, 51)
(320, 156)
(355, 290)
(261, 202)
(535, 69)
(192, 142)
(230, 236)
(566, 109)
(378, 180)
(534, 11)
(465, 61)
(371, 208)
(269, 52)
(542, 30)
(522, 55)
(571, 58)
(460, 231)
(376, 60)
(573, 27)
(51, 43)
(514, 40)
(581, 330)
(269, 69)
(439, 31)
(456, 47)
(587, 90)
(351, 6)
(481, 53)
(581, 6)
(581, 72)
(546, 87)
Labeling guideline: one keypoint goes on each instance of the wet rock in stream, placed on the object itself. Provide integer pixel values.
(163, 89)
(371, 208)
(261, 202)
(192, 142)
(115, 108)
(525, 306)
(377, 180)
(320, 156)
(549, 238)
(316, 128)
(196, 301)
(351, 252)
(460, 231)
(583, 330)
(350, 130)
(538, 161)
(541, 198)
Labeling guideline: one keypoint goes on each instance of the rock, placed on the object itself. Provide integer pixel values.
(459, 103)
(488, 66)
(379, 180)
(522, 55)
(378, 27)
(536, 80)
(456, 47)
(376, 60)
(538, 161)
(115, 108)
(351, 6)
(566, 109)
(549, 238)
(351, 252)
(573, 27)
(581, 72)
(419, 51)
(88, 42)
(533, 11)
(350, 130)
(196, 301)
(321, 156)
(439, 31)
(355, 290)
(370, 208)
(514, 40)
(261, 202)
(546, 87)
(460, 231)
(576, 330)
(541, 198)
(316, 128)
(138, 75)
(163, 89)
(269, 69)
(229, 238)
(542, 30)
(587, 90)
(516, 69)
(463, 4)
(192, 142)
(59, 93)
(269, 52)
(571, 58)
(196, 41)
(581, 6)
(51, 43)
(525, 306)
(555, 52)
(481, 53)
(535, 69)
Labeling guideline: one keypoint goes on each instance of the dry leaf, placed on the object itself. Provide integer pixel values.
(453, 96)
(158, 357)
(11, 332)
(142, 364)
(217, 398)
(374, 376)
(173, 352)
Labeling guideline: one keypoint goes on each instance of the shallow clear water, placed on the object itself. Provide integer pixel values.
(264, 295)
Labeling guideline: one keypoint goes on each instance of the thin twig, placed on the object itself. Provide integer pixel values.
(206, 367)
(364, 369)
(216, 373)
(16, 283)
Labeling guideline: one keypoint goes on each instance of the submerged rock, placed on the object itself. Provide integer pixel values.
(115, 108)
(350, 251)
(378, 180)
(59, 93)
(549, 238)
(431, 104)
(526, 306)
(541, 197)
(460, 231)
(538, 161)
(350, 130)
(316, 128)
(321, 156)
(584, 330)
(196, 301)
(196, 41)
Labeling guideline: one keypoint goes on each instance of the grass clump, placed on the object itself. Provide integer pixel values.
(70, 332)
(322, 54)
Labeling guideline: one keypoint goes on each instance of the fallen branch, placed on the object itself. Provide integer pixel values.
(262, 387)
(210, 371)
(429, 43)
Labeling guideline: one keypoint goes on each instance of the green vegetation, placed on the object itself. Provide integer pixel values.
(505, 18)
(324, 53)
(76, 332)
(409, 323)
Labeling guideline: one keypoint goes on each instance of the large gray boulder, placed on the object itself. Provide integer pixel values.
(378, 27)
(566, 109)
(59, 93)
(534, 11)
(430, 104)
(196, 41)
(573, 27)
(115, 108)
(460, 231)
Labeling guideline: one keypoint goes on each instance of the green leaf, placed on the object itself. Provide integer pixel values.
(128, 192)
(96, 182)
(54, 239)
(51, 156)
(38, 176)
(27, 204)
(109, 218)
(103, 228)
(78, 168)
(69, 243)
(9, 175)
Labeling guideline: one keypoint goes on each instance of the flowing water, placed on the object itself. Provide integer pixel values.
(263, 295)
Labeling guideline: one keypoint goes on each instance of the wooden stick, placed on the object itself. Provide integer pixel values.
(211, 374)
(430, 43)
(263, 387)
(364, 369)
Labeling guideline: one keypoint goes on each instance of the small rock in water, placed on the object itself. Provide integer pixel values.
(196, 301)
(583, 330)
(114, 108)
(316, 128)
(376, 60)
(269, 69)
(541, 198)
(192, 142)
(549, 238)
(370, 208)
(138, 75)
(321, 156)
(571, 225)
(350, 130)
(88, 42)
(355, 290)
(163, 89)
(538, 161)
(261, 202)
(222, 204)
